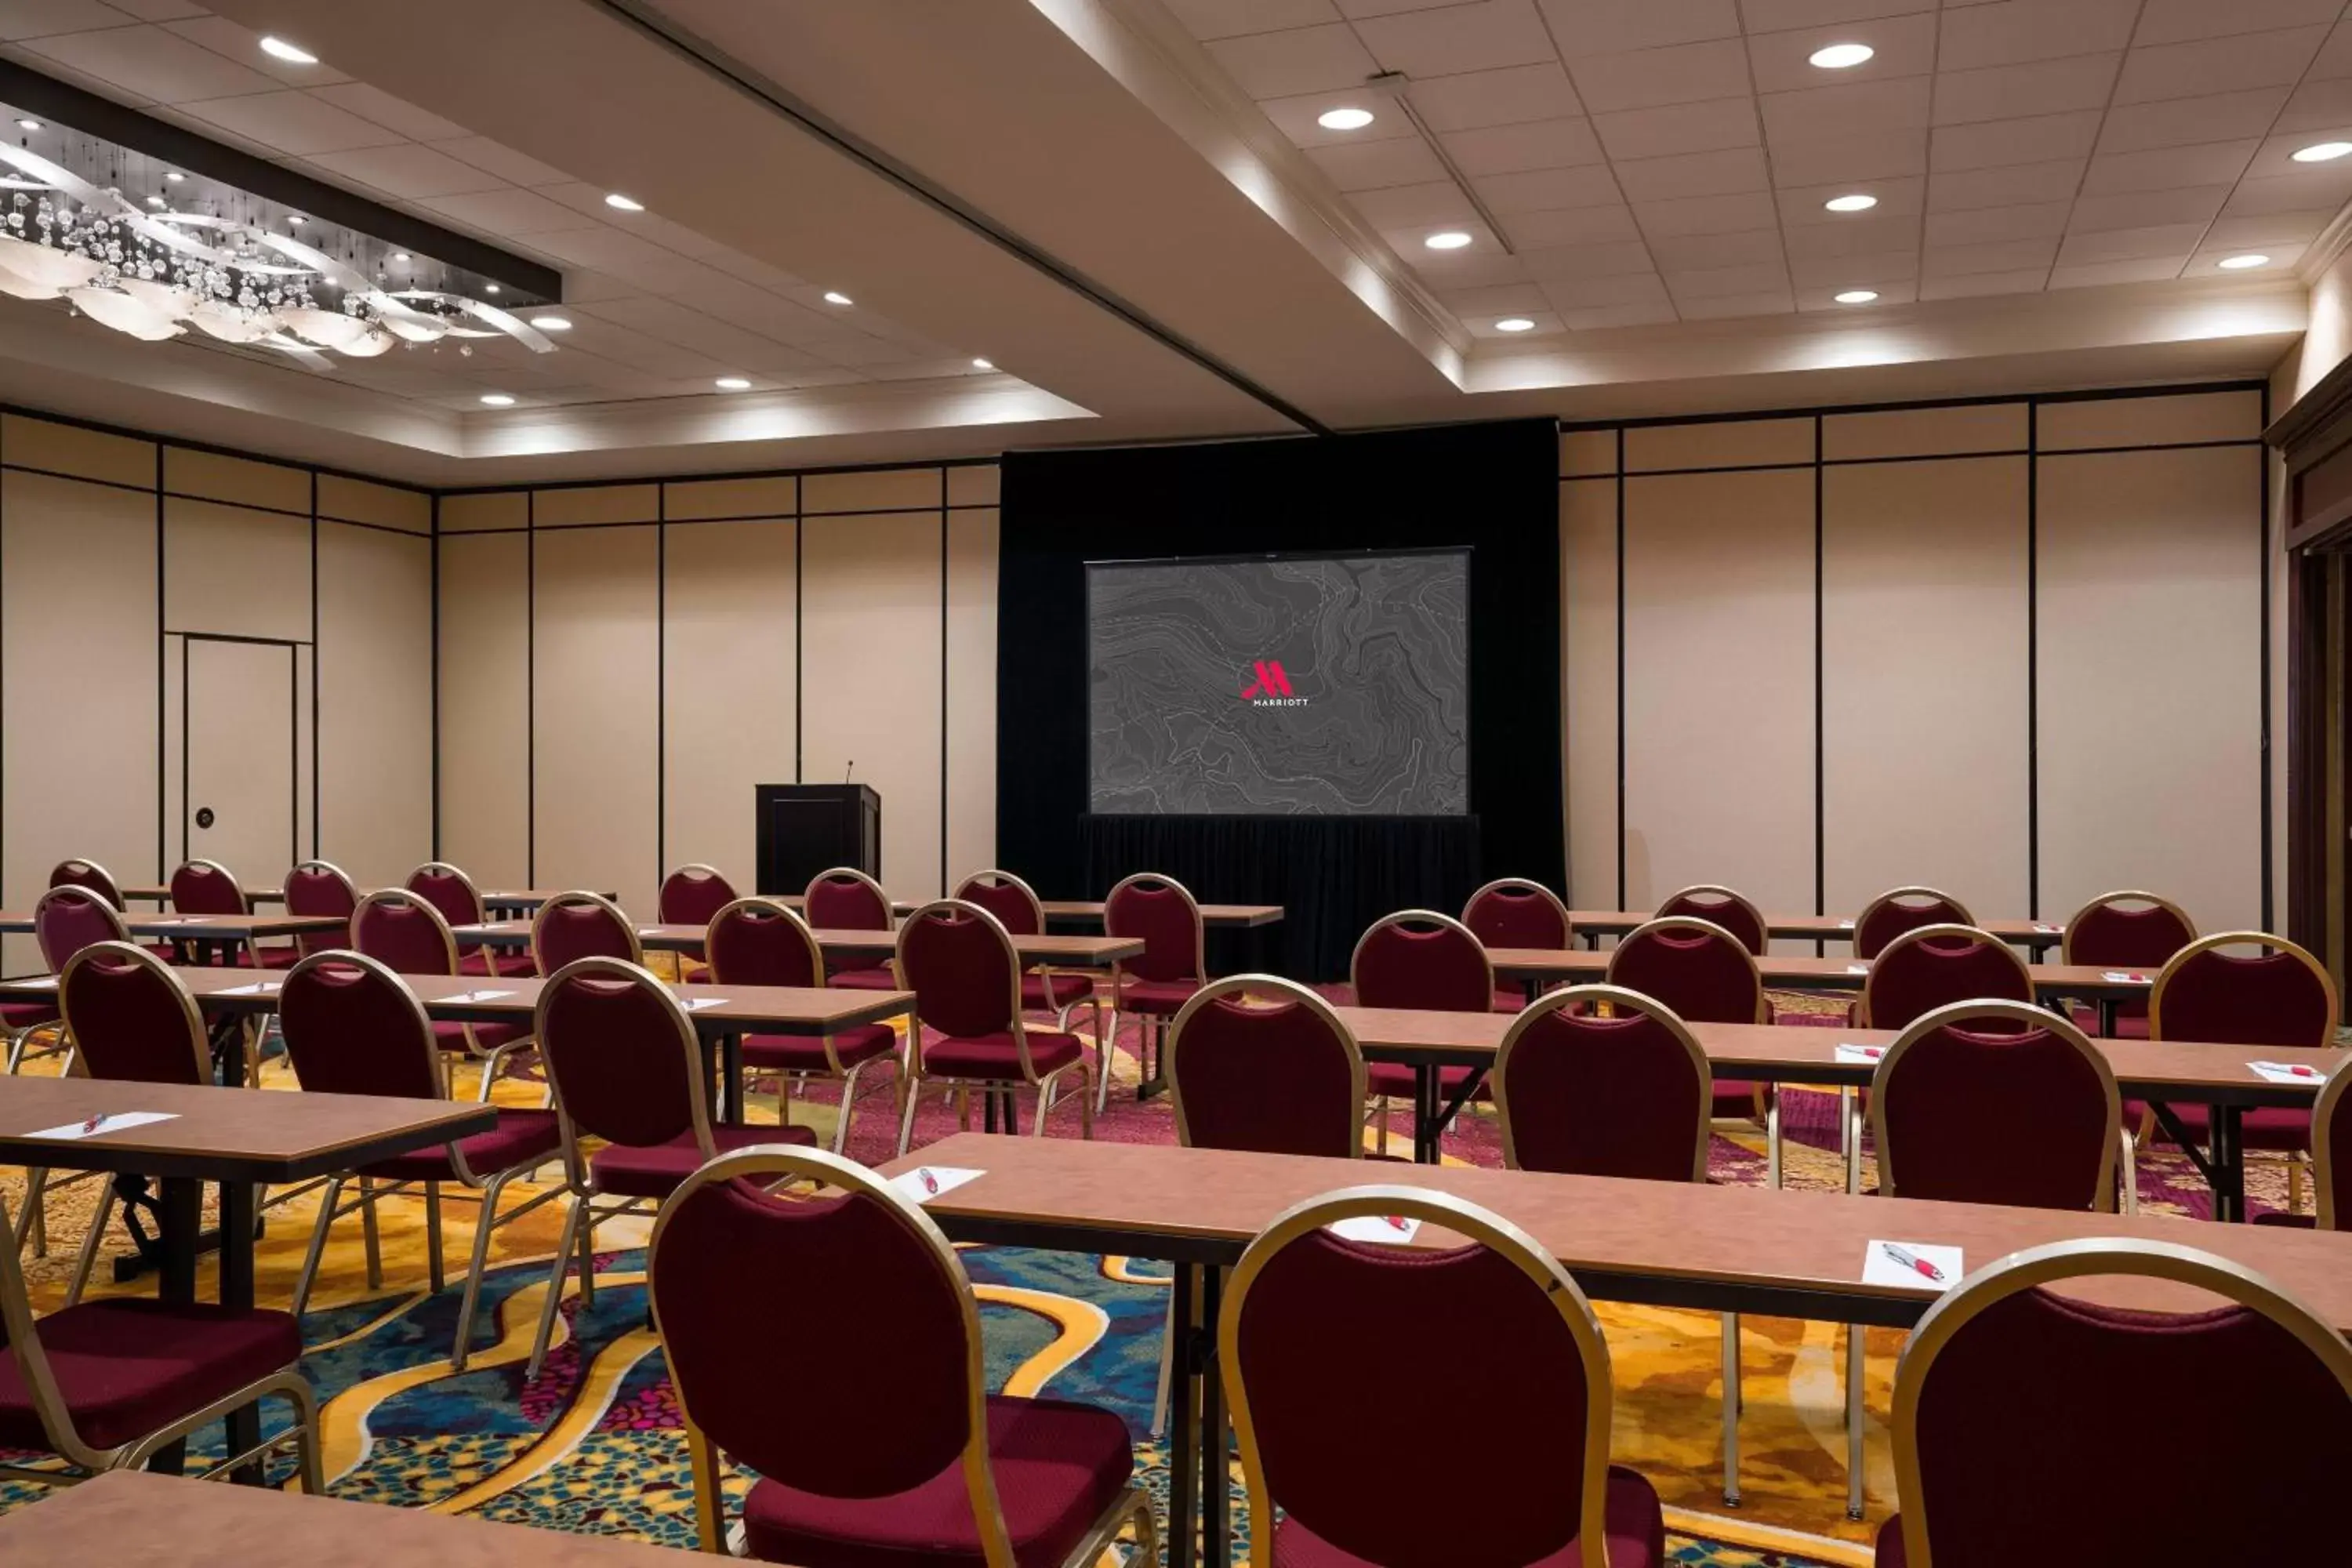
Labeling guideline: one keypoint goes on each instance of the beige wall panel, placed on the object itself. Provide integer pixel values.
(1926, 432)
(2150, 681)
(878, 491)
(1719, 443)
(306, 755)
(977, 484)
(596, 503)
(870, 677)
(1587, 453)
(485, 708)
(235, 572)
(237, 481)
(1718, 643)
(77, 573)
(357, 501)
(732, 498)
(70, 449)
(972, 692)
(595, 720)
(2152, 421)
(474, 513)
(1924, 673)
(731, 687)
(1588, 552)
(375, 702)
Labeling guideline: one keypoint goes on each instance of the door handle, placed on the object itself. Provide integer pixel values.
(204, 817)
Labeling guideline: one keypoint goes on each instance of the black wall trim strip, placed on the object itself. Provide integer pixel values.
(531, 691)
(1820, 678)
(661, 689)
(2269, 562)
(1620, 668)
(436, 569)
(945, 890)
(2033, 661)
(162, 680)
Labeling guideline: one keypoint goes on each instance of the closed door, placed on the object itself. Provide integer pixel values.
(241, 766)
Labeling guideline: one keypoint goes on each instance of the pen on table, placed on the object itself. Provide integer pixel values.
(95, 1122)
(1909, 1261)
(923, 1174)
(1398, 1221)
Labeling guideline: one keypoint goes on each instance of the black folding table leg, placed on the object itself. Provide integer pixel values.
(182, 1202)
(236, 1294)
(1425, 1128)
(1216, 1471)
(2228, 1163)
(1184, 1387)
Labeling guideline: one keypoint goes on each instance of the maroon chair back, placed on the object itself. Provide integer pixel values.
(1623, 1095)
(1160, 913)
(87, 874)
(622, 1054)
(320, 888)
(1307, 1312)
(71, 917)
(2128, 930)
(2281, 995)
(351, 1027)
(207, 887)
(1012, 901)
(1899, 910)
(581, 925)
(2004, 1423)
(1423, 959)
(132, 1017)
(733, 1265)
(960, 966)
(847, 900)
(1282, 1077)
(405, 933)
(691, 895)
(1700, 971)
(2331, 1151)
(449, 890)
(1722, 907)
(1512, 911)
(1995, 1102)
(1929, 967)
(759, 941)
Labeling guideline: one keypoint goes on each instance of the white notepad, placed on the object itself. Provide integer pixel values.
(259, 988)
(1857, 969)
(2289, 1072)
(2124, 977)
(927, 1182)
(697, 1003)
(1859, 1056)
(1392, 1230)
(479, 996)
(1880, 1266)
(113, 1121)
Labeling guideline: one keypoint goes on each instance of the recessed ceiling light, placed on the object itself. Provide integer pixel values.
(2240, 263)
(497, 399)
(1515, 324)
(292, 54)
(1853, 203)
(154, 201)
(489, 288)
(1857, 296)
(294, 219)
(1841, 57)
(835, 297)
(983, 364)
(2322, 151)
(28, 125)
(1344, 119)
(400, 258)
(551, 323)
(732, 384)
(620, 203)
(1447, 239)
(176, 176)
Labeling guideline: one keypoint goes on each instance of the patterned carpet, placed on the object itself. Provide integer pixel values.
(594, 1445)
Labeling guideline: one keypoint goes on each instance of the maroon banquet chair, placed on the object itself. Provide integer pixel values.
(1161, 913)
(321, 888)
(209, 888)
(1282, 1077)
(2331, 1160)
(581, 925)
(68, 918)
(759, 941)
(1931, 966)
(1721, 906)
(1704, 974)
(691, 896)
(627, 1068)
(1512, 911)
(1019, 911)
(2279, 996)
(1899, 910)
(1325, 1447)
(845, 898)
(405, 933)
(2005, 1444)
(450, 890)
(351, 1027)
(1425, 962)
(80, 873)
(919, 1464)
(960, 966)
(2126, 931)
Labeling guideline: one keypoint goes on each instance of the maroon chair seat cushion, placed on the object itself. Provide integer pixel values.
(2274, 1129)
(1510, 999)
(805, 1053)
(1054, 991)
(521, 1137)
(1634, 1521)
(1395, 1081)
(126, 1367)
(883, 979)
(495, 962)
(631, 1170)
(451, 1036)
(995, 1055)
(1734, 1098)
(1058, 1467)
(15, 1016)
(268, 957)
(1155, 997)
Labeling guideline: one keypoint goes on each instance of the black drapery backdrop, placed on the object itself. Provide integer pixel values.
(1492, 487)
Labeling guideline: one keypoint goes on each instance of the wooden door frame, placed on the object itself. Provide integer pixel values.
(292, 647)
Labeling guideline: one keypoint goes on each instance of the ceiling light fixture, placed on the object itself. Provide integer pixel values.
(2322, 151)
(551, 323)
(174, 176)
(28, 125)
(835, 297)
(2240, 263)
(732, 384)
(295, 219)
(620, 203)
(1853, 203)
(1515, 324)
(1447, 239)
(292, 54)
(1349, 119)
(400, 258)
(489, 288)
(497, 400)
(983, 364)
(1857, 296)
(1841, 57)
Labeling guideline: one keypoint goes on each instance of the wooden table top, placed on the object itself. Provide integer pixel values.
(1671, 1242)
(1786, 1052)
(223, 1134)
(1807, 972)
(1061, 950)
(202, 928)
(492, 898)
(1812, 928)
(137, 1516)
(1092, 910)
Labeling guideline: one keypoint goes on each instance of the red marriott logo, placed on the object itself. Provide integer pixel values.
(1272, 687)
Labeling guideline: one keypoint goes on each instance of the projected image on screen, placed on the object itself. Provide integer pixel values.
(1330, 686)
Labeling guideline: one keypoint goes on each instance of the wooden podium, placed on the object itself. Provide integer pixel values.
(803, 829)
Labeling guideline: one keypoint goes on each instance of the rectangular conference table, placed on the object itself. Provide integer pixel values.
(197, 937)
(523, 899)
(1593, 924)
(1090, 910)
(243, 1139)
(1062, 952)
(2163, 1072)
(1573, 966)
(1774, 1253)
